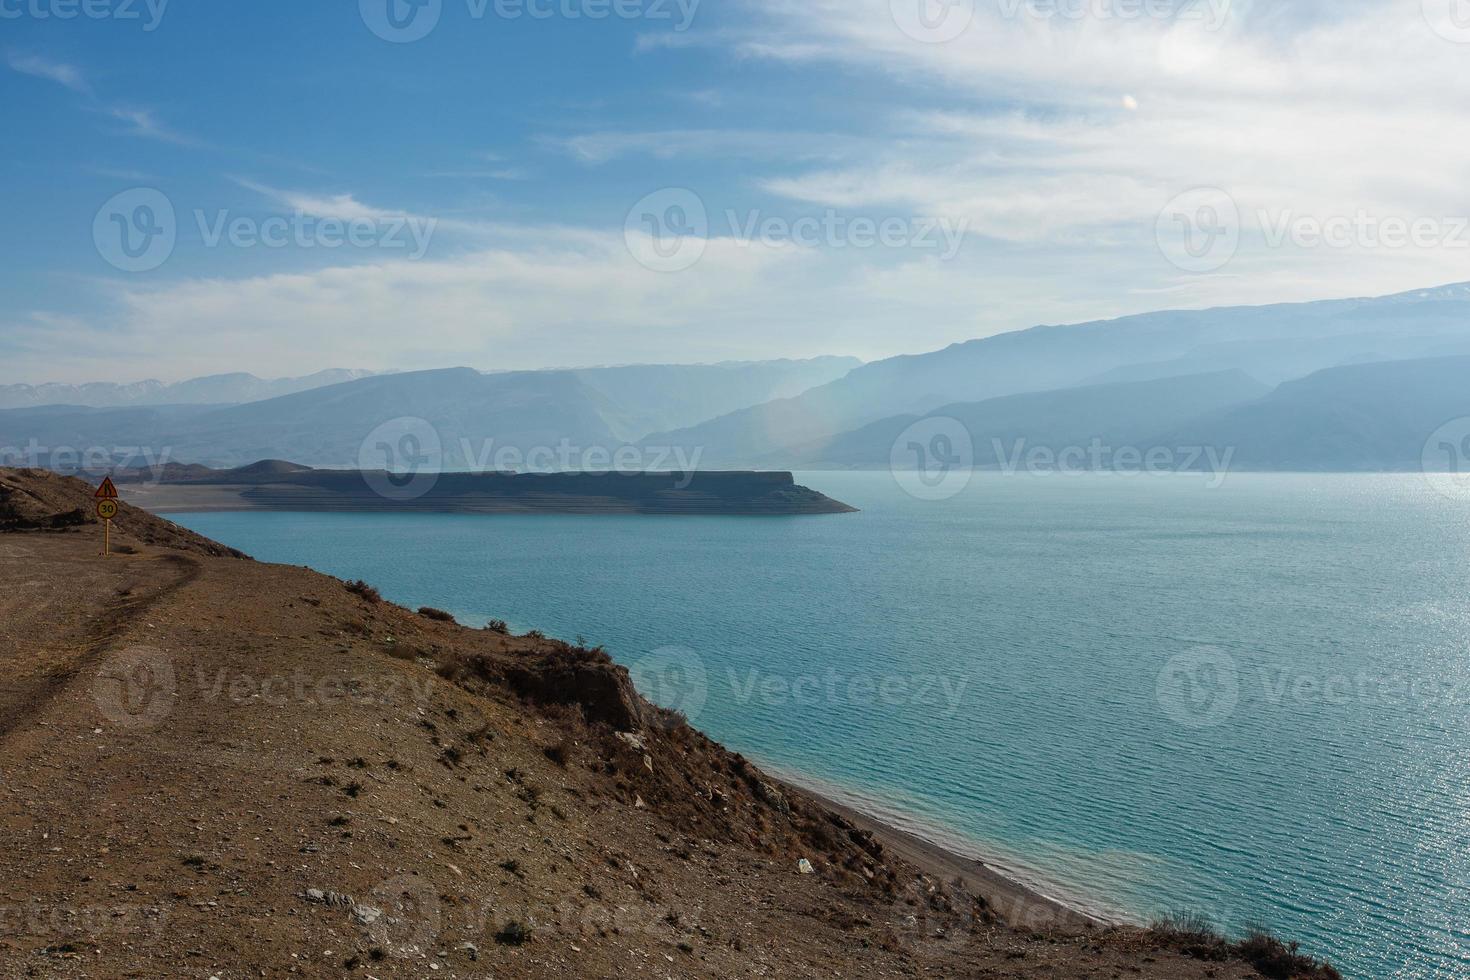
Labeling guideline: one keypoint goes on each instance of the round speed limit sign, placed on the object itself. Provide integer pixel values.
(107, 509)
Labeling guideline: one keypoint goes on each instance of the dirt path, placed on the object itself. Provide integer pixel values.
(53, 635)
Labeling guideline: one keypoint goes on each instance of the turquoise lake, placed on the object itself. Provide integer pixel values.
(1146, 693)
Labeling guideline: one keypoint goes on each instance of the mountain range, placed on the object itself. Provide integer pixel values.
(218, 389)
(1358, 384)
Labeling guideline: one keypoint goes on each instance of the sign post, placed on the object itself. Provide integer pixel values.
(106, 509)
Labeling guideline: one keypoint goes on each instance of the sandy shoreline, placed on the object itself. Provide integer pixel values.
(1020, 902)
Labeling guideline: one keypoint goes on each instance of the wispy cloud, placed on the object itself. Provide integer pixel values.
(145, 123)
(138, 121)
(55, 71)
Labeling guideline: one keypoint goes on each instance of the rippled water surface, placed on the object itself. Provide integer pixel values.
(1249, 700)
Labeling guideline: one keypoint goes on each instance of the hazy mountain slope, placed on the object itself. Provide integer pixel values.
(657, 397)
(1117, 415)
(57, 435)
(473, 416)
(220, 389)
(1363, 417)
(1271, 343)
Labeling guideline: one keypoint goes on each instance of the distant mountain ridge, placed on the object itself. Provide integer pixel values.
(464, 418)
(218, 389)
(1116, 416)
(1272, 344)
(1363, 417)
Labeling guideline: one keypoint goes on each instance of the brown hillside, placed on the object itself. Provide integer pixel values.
(222, 768)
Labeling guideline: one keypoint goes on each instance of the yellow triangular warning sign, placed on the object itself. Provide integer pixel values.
(107, 491)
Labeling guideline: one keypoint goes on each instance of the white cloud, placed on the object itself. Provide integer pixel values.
(1325, 110)
(55, 71)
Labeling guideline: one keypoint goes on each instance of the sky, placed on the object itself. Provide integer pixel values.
(281, 187)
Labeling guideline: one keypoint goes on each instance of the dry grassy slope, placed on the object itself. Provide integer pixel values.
(38, 499)
(249, 770)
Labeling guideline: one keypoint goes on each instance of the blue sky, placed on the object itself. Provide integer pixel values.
(864, 177)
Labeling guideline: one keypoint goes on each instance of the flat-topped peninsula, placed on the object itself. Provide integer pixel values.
(282, 486)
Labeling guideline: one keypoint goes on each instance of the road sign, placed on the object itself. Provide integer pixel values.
(106, 509)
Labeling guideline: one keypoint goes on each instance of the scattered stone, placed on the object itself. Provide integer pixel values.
(805, 867)
(366, 915)
(635, 742)
(772, 797)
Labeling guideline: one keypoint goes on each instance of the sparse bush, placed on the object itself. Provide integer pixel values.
(513, 934)
(362, 590)
(1195, 935)
(1279, 960)
(559, 753)
(438, 615)
(498, 626)
(1192, 934)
